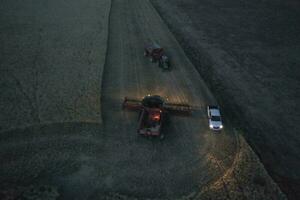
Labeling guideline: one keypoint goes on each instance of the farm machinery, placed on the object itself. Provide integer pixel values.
(153, 113)
(157, 54)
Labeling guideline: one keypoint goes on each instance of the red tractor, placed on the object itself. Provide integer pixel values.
(156, 53)
(153, 113)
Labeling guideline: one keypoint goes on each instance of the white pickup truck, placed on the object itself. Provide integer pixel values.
(214, 118)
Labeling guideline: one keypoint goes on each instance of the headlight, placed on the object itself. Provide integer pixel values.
(211, 126)
(221, 126)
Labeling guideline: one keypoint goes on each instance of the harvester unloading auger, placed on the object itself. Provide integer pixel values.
(153, 113)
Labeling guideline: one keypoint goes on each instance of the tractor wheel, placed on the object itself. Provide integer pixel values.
(167, 66)
(160, 64)
(162, 136)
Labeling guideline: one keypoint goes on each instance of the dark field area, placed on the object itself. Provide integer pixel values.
(248, 54)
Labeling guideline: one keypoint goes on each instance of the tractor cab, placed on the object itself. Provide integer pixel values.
(164, 62)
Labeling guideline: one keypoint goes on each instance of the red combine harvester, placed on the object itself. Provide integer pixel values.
(153, 113)
(157, 53)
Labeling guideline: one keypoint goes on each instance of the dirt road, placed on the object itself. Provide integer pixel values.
(174, 166)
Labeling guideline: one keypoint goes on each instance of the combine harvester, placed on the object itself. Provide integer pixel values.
(157, 53)
(153, 113)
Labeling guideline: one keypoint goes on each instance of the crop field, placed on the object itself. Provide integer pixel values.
(248, 54)
(66, 67)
